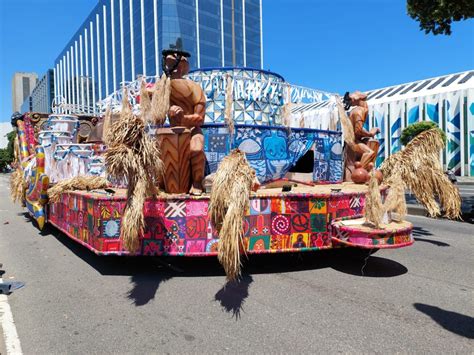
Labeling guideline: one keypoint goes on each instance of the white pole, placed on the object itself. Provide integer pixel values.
(56, 73)
(222, 32)
(155, 34)
(106, 58)
(243, 31)
(91, 24)
(99, 73)
(82, 72)
(142, 16)
(86, 47)
(68, 74)
(73, 86)
(64, 80)
(132, 47)
(122, 51)
(197, 35)
(114, 68)
(77, 74)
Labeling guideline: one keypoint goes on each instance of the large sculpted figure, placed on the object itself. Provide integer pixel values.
(364, 148)
(187, 109)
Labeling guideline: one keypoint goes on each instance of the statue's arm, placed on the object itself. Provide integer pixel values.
(196, 118)
(359, 130)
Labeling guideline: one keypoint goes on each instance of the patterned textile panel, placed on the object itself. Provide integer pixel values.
(381, 239)
(182, 227)
(272, 151)
(30, 134)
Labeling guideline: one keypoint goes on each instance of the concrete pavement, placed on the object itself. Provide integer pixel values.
(415, 299)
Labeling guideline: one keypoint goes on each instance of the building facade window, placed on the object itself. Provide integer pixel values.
(123, 39)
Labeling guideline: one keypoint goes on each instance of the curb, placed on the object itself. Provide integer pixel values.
(416, 210)
(465, 183)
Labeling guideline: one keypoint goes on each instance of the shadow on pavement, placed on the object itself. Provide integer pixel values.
(421, 232)
(233, 294)
(431, 241)
(454, 322)
(148, 273)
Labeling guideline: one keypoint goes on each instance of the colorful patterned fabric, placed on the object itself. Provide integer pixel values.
(380, 239)
(180, 226)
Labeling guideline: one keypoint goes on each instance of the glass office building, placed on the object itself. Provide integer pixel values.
(123, 39)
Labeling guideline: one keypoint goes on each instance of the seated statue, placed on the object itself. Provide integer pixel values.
(364, 149)
(187, 109)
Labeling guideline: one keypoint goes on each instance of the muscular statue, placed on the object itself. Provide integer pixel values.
(364, 148)
(187, 109)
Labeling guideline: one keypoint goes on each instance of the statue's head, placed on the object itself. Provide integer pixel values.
(353, 99)
(175, 62)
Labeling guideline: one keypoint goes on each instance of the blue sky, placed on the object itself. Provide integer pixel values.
(333, 45)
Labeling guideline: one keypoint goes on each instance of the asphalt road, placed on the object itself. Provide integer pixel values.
(415, 299)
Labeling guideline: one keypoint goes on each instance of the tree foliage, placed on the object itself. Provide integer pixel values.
(411, 131)
(436, 16)
(7, 154)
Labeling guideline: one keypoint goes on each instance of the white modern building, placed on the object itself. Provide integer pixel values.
(446, 100)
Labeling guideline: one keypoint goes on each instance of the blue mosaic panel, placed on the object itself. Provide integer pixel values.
(257, 95)
(272, 151)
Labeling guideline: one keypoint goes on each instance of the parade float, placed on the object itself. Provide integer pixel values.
(215, 162)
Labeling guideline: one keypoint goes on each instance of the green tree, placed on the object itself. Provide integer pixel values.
(7, 154)
(411, 131)
(435, 16)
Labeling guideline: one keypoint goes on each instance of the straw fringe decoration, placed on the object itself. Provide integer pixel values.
(229, 202)
(229, 101)
(81, 183)
(145, 103)
(419, 168)
(160, 101)
(18, 186)
(395, 200)
(347, 129)
(374, 210)
(107, 124)
(133, 155)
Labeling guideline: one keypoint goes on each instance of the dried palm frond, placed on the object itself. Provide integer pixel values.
(419, 168)
(145, 103)
(18, 186)
(133, 221)
(81, 183)
(229, 102)
(107, 125)
(160, 101)
(374, 210)
(347, 128)
(395, 200)
(229, 202)
(134, 156)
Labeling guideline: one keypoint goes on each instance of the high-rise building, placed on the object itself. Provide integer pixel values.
(42, 95)
(123, 39)
(22, 86)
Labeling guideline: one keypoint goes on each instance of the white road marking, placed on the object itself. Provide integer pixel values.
(10, 335)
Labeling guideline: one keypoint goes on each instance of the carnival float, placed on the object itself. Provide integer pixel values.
(221, 162)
